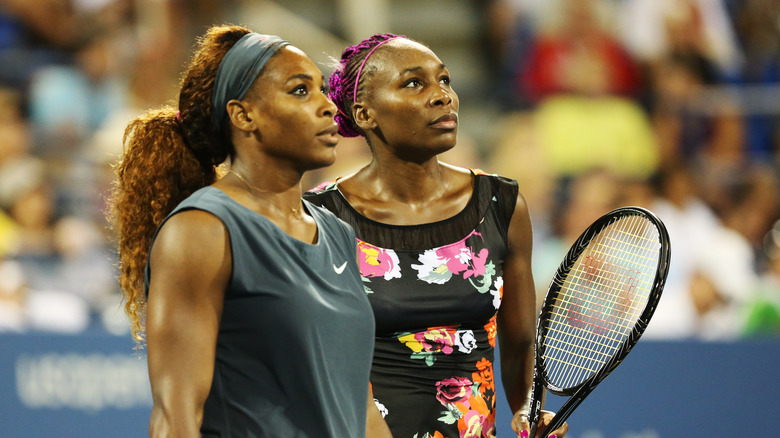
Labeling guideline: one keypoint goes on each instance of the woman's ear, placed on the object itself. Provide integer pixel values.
(363, 118)
(240, 116)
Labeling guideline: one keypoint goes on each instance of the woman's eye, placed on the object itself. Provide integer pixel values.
(300, 90)
(445, 80)
(412, 83)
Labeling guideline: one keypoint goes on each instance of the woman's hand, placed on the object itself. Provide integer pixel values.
(521, 426)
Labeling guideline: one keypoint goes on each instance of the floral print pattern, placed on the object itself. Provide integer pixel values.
(491, 329)
(425, 345)
(498, 292)
(435, 309)
(438, 265)
(374, 261)
(469, 403)
(378, 262)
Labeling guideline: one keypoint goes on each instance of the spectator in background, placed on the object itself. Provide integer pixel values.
(59, 275)
(682, 125)
(756, 23)
(582, 85)
(14, 144)
(575, 52)
(33, 35)
(509, 27)
(12, 297)
(44, 33)
(577, 203)
(579, 132)
(700, 128)
(712, 268)
(762, 311)
(652, 29)
(49, 304)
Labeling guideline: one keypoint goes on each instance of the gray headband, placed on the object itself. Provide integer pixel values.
(239, 69)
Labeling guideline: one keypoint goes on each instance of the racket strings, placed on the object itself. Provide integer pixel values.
(600, 300)
(614, 291)
(592, 320)
(584, 313)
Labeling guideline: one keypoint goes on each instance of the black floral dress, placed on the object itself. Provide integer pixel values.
(435, 290)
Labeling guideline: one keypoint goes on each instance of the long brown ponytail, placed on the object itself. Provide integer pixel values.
(168, 155)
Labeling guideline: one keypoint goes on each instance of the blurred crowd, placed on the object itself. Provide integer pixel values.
(668, 104)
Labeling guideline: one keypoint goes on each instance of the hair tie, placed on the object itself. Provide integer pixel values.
(178, 116)
(362, 64)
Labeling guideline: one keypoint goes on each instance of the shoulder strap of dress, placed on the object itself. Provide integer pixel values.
(504, 190)
(326, 185)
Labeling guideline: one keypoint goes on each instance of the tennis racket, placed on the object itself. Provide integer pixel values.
(597, 306)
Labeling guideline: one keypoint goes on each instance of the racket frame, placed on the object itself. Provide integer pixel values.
(579, 392)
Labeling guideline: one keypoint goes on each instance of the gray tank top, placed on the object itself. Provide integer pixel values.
(296, 337)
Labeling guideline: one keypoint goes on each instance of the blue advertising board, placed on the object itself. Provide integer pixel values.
(72, 386)
(679, 389)
(97, 386)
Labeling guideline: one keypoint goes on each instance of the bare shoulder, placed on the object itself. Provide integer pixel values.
(188, 236)
(456, 171)
(460, 179)
(521, 206)
(352, 183)
(520, 229)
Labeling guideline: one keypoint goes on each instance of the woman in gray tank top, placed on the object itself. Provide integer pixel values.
(248, 298)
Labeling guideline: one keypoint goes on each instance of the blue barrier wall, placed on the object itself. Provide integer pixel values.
(72, 386)
(680, 389)
(96, 386)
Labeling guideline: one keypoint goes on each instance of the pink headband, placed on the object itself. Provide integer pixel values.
(362, 64)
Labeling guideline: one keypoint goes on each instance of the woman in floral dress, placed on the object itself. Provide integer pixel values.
(444, 252)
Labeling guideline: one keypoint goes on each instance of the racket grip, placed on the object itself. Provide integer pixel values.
(535, 407)
(533, 428)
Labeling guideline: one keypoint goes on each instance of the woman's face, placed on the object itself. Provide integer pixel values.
(294, 115)
(408, 101)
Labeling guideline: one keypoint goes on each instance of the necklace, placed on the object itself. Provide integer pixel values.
(252, 189)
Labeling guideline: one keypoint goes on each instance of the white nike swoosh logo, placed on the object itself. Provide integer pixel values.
(340, 269)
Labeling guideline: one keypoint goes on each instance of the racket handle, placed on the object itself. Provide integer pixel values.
(533, 427)
(535, 410)
(566, 410)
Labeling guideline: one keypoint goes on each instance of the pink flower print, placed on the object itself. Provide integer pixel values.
(326, 185)
(378, 262)
(425, 345)
(437, 340)
(474, 425)
(438, 265)
(477, 268)
(453, 390)
(457, 256)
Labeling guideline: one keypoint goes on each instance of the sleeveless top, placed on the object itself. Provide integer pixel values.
(296, 335)
(435, 290)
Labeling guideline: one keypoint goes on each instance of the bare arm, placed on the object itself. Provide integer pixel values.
(517, 315)
(190, 265)
(517, 323)
(376, 427)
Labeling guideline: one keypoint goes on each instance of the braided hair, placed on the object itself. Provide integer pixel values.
(345, 81)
